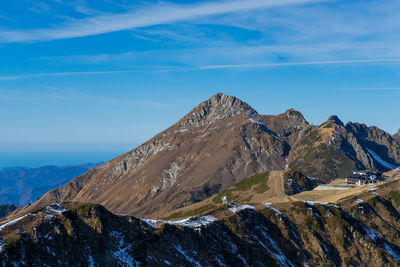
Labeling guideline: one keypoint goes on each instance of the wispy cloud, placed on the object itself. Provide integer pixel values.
(77, 73)
(372, 89)
(54, 93)
(150, 15)
(335, 62)
(204, 67)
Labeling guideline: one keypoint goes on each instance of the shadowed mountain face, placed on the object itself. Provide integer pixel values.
(218, 143)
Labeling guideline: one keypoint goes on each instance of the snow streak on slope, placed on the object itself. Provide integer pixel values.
(236, 208)
(13, 221)
(191, 222)
(380, 160)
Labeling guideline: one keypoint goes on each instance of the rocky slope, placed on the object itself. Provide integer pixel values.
(362, 230)
(218, 143)
(334, 150)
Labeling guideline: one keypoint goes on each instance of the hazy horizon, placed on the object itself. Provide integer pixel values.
(39, 155)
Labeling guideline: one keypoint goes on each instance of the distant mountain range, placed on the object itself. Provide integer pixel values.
(20, 185)
(218, 143)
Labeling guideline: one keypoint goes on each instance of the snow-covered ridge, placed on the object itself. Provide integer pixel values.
(55, 207)
(380, 160)
(268, 205)
(359, 200)
(236, 208)
(312, 203)
(191, 222)
(14, 221)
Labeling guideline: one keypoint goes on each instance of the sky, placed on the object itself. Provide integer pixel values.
(84, 81)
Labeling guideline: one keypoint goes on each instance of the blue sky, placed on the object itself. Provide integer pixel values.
(102, 76)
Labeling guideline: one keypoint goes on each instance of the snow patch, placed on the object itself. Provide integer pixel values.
(372, 191)
(380, 160)
(312, 203)
(390, 251)
(386, 246)
(122, 254)
(268, 205)
(187, 257)
(191, 222)
(14, 221)
(55, 207)
(91, 261)
(358, 200)
(236, 208)
(256, 120)
(196, 222)
(150, 223)
(272, 247)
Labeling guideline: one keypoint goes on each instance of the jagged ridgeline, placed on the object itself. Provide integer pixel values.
(220, 142)
(334, 150)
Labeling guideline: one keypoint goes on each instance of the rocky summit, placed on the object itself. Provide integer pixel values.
(218, 143)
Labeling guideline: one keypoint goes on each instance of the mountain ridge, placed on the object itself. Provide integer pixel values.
(219, 142)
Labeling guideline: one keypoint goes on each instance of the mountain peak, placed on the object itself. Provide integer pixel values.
(218, 107)
(397, 135)
(335, 119)
(293, 113)
(227, 103)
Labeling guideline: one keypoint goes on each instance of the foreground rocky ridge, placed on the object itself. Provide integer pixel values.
(218, 143)
(362, 230)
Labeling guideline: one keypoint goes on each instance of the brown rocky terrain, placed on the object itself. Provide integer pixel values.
(218, 143)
